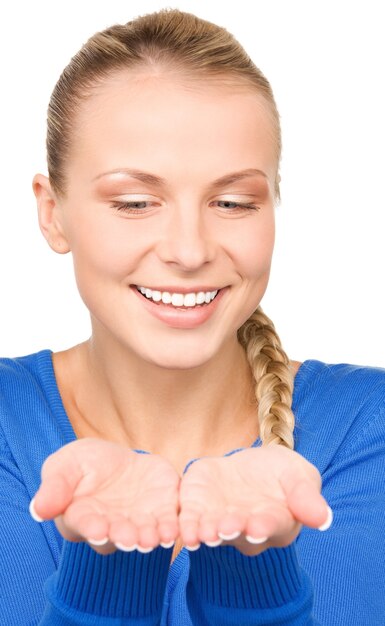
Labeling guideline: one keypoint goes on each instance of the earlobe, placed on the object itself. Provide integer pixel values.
(49, 214)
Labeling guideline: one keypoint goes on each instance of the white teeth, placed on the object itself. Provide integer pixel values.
(189, 299)
(166, 297)
(156, 296)
(178, 299)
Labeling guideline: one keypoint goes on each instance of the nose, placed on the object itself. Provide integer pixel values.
(186, 240)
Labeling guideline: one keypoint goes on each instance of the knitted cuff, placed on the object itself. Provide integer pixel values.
(225, 577)
(119, 585)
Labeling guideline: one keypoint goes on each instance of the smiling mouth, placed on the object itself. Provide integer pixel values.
(178, 300)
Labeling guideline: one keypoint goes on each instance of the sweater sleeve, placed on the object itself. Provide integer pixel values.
(121, 588)
(346, 564)
(329, 578)
(25, 555)
(39, 584)
(228, 588)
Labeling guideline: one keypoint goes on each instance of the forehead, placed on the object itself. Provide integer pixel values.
(143, 120)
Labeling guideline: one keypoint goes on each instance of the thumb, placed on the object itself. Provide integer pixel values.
(60, 476)
(308, 506)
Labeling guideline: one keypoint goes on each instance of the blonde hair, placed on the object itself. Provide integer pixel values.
(194, 48)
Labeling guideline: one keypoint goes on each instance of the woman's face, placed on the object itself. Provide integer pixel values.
(170, 188)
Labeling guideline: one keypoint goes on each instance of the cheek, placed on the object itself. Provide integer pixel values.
(255, 249)
(254, 262)
(105, 247)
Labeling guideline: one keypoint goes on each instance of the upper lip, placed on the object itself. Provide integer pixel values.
(176, 289)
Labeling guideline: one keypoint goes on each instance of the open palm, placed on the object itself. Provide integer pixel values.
(109, 495)
(265, 494)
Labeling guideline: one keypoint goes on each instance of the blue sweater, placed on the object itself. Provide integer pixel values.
(335, 578)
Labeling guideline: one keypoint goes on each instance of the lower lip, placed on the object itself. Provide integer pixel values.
(189, 317)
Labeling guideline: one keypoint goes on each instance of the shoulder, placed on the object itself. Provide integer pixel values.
(334, 404)
(316, 379)
(21, 388)
(23, 375)
(19, 364)
(32, 421)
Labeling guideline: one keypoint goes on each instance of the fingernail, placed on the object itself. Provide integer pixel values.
(33, 513)
(233, 535)
(193, 548)
(144, 550)
(256, 540)
(98, 542)
(124, 548)
(167, 545)
(328, 521)
(213, 544)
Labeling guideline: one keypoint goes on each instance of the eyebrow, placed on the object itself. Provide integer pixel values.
(234, 177)
(152, 179)
(144, 177)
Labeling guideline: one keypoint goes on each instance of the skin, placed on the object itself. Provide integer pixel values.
(192, 388)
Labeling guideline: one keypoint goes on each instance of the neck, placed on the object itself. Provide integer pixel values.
(207, 410)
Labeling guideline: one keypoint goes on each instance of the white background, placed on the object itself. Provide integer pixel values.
(325, 61)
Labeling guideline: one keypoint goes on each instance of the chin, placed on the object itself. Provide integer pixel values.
(173, 362)
(180, 357)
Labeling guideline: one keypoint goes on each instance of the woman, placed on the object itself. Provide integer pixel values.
(181, 477)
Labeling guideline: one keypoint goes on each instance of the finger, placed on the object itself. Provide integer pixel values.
(124, 534)
(147, 531)
(52, 498)
(208, 530)
(60, 476)
(208, 527)
(232, 524)
(260, 527)
(168, 527)
(189, 528)
(102, 545)
(66, 532)
(104, 548)
(307, 505)
(276, 525)
(82, 520)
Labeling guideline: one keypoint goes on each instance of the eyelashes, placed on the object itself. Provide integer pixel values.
(136, 206)
(229, 204)
(143, 206)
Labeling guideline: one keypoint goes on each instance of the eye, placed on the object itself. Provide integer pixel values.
(134, 206)
(233, 206)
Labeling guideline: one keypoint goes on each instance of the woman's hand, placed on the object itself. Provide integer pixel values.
(264, 494)
(109, 495)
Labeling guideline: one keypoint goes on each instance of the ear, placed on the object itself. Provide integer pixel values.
(50, 214)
